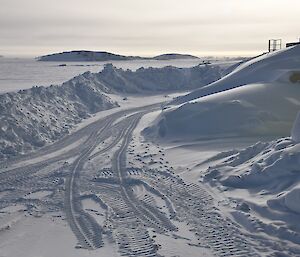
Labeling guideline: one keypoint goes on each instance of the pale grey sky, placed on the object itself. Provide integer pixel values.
(146, 27)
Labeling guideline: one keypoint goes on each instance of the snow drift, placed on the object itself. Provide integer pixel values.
(264, 181)
(253, 110)
(265, 68)
(152, 80)
(296, 129)
(256, 109)
(31, 118)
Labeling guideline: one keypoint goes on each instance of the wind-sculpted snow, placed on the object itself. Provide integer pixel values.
(270, 173)
(32, 118)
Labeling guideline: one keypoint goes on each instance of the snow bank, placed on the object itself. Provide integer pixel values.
(262, 69)
(155, 80)
(253, 110)
(230, 110)
(296, 129)
(292, 200)
(32, 118)
(150, 80)
(269, 173)
(262, 164)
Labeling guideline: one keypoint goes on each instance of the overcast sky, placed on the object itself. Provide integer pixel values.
(146, 27)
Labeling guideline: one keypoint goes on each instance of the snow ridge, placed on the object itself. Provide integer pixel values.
(154, 80)
(37, 116)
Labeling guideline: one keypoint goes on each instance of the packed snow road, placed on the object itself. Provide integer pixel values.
(137, 206)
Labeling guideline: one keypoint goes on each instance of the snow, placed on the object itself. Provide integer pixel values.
(47, 237)
(261, 109)
(38, 194)
(38, 116)
(182, 243)
(256, 184)
(296, 129)
(292, 199)
(112, 79)
(254, 110)
(264, 179)
(221, 172)
(266, 68)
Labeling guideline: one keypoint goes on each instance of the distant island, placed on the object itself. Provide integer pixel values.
(174, 56)
(92, 56)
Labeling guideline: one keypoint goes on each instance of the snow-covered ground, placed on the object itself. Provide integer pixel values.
(239, 138)
(215, 176)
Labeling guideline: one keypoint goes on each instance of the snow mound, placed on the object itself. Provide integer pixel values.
(253, 110)
(229, 110)
(265, 176)
(265, 68)
(292, 200)
(150, 80)
(32, 118)
(296, 129)
(156, 80)
(264, 164)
